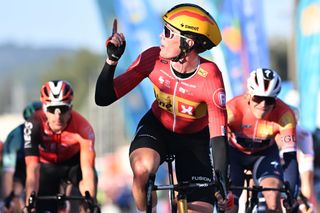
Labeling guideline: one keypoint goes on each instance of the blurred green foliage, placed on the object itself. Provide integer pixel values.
(29, 68)
(79, 69)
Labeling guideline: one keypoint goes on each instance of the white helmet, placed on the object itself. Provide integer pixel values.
(264, 82)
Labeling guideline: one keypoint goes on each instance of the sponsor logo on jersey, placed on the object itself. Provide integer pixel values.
(182, 90)
(203, 73)
(245, 126)
(223, 130)
(219, 98)
(163, 61)
(183, 107)
(188, 85)
(27, 134)
(288, 139)
(167, 83)
(165, 103)
(161, 80)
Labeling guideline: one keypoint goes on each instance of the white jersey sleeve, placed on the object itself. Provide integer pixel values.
(305, 151)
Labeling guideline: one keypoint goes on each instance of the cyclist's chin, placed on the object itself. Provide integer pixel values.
(58, 127)
(164, 53)
(260, 113)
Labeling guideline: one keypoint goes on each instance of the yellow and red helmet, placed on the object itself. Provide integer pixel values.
(190, 18)
(56, 93)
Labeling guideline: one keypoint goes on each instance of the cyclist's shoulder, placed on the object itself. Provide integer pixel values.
(151, 52)
(78, 119)
(79, 124)
(210, 68)
(146, 59)
(37, 117)
(282, 107)
(238, 103)
(282, 113)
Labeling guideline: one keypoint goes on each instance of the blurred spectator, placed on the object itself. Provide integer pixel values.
(14, 168)
(115, 182)
(316, 142)
(1, 150)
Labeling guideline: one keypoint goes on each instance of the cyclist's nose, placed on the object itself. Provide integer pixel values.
(57, 113)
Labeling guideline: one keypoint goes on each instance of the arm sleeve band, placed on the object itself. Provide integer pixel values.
(105, 94)
(220, 154)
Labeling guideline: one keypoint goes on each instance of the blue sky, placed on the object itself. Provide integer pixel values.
(77, 23)
(70, 23)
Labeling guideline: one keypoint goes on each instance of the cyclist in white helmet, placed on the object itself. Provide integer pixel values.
(257, 122)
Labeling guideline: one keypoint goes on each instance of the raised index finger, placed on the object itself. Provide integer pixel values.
(115, 26)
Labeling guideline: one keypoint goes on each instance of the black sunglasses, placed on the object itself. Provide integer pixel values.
(268, 100)
(63, 109)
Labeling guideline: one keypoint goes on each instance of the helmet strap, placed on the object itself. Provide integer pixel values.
(184, 50)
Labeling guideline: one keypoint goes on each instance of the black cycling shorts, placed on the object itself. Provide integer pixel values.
(262, 164)
(192, 153)
(53, 175)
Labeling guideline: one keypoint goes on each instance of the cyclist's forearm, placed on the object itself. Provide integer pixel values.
(88, 183)
(220, 154)
(307, 184)
(32, 180)
(7, 183)
(291, 172)
(105, 94)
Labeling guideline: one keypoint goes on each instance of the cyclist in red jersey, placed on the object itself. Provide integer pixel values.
(189, 94)
(59, 146)
(257, 122)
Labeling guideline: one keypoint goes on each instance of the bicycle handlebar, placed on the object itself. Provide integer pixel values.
(182, 186)
(255, 189)
(221, 187)
(60, 198)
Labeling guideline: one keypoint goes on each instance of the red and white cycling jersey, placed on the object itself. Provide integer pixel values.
(49, 147)
(182, 105)
(249, 134)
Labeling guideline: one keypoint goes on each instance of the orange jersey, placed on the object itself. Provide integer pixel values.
(50, 147)
(249, 134)
(182, 105)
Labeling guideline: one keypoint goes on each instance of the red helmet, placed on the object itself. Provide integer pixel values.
(55, 93)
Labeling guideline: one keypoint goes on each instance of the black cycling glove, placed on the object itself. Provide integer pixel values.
(114, 53)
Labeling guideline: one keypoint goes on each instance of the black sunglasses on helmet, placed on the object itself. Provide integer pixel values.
(63, 109)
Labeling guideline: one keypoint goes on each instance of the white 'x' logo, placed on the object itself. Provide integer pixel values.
(186, 110)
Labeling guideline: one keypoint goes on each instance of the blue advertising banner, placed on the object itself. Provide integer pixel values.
(232, 45)
(308, 61)
(244, 40)
(141, 27)
(254, 35)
